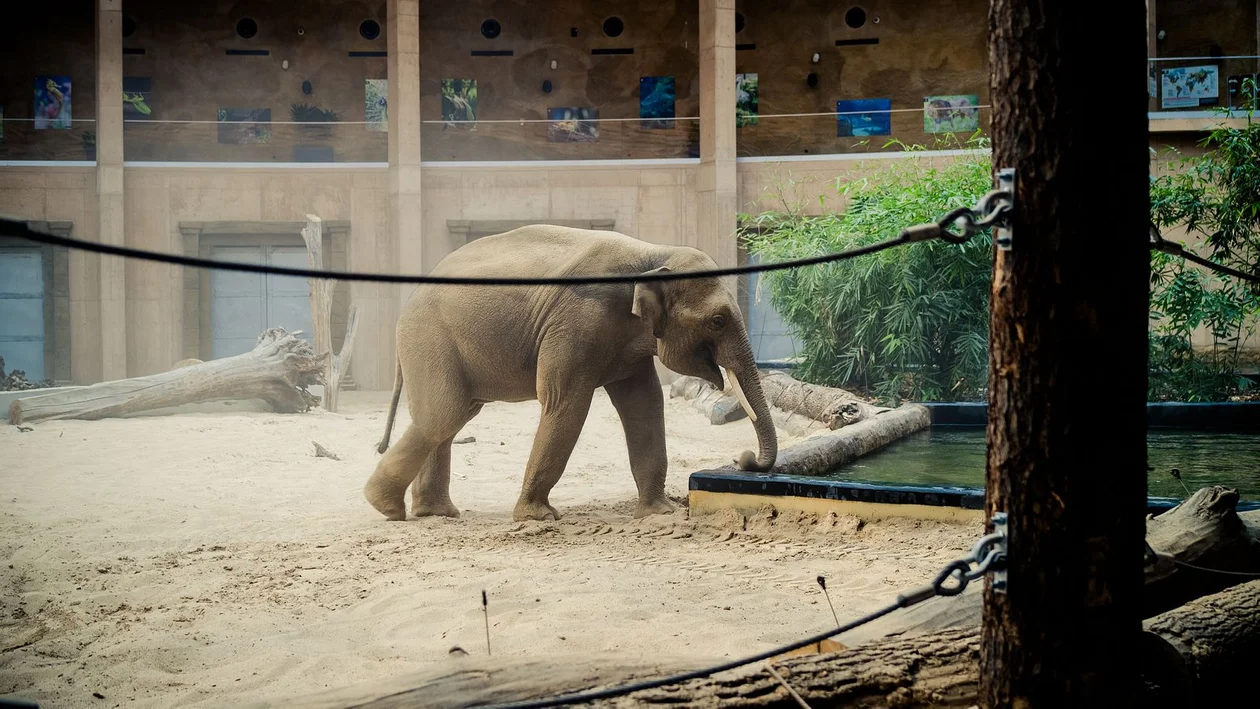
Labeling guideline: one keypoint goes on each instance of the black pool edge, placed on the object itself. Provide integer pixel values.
(1231, 415)
(772, 485)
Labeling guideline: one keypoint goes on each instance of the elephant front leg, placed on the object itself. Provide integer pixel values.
(563, 415)
(641, 406)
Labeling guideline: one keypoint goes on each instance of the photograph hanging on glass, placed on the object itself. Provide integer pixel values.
(951, 114)
(863, 117)
(1190, 86)
(746, 100)
(459, 103)
(573, 125)
(52, 103)
(656, 102)
(137, 97)
(244, 126)
(376, 104)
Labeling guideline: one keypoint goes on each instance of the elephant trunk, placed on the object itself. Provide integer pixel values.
(747, 384)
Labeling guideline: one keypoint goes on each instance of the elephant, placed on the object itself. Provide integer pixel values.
(459, 347)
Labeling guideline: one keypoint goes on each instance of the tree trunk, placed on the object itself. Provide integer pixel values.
(1204, 531)
(277, 370)
(835, 408)
(341, 361)
(1068, 296)
(797, 407)
(1210, 647)
(818, 454)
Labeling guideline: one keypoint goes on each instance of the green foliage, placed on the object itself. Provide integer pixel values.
(1183, 299)
(1216, 197)
(902, 323)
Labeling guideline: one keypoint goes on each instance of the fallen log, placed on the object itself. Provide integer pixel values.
(1208, 645)
(719, 406)
(278, 370)
(471, 680)
(1204, 530)
(820, 453)
(833, 407)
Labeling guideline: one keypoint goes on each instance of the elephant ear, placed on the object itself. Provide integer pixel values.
(649, 302)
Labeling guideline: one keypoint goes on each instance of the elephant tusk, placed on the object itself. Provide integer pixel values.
(739, 393)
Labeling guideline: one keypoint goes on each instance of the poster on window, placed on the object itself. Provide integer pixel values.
(863, 117)
(52, 102)
(1190, 86)
(951, 114)
(376, 104)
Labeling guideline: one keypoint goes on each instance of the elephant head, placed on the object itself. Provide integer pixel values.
(699, 331)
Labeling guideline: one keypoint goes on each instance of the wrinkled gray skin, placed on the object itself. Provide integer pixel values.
(459, 347)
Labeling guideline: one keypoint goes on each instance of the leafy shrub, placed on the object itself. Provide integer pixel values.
(1215, 196)
(903, 323)
(913, 322)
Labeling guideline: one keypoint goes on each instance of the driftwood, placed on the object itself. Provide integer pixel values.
(469, 680)
(833, 407)
(820, 453)
(336, 366)
(719, 406)
(1204, 530)
(278, 370)
(1201, 651)
(797, 407)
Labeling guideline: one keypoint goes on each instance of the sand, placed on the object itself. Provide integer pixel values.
(209, 558)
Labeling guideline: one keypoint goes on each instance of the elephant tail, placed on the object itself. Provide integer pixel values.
(393, 409)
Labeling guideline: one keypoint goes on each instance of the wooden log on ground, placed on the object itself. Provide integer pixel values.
(471, 680)
(1210, 647)
(834, 407)
(278, 370)
(1204, 530)
(1211, 642)
(820, 453)
(719, 406)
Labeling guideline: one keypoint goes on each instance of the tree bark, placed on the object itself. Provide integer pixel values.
(277, 370)
(1071, 293)
(1211, 645)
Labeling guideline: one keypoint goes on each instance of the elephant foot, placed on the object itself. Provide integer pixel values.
(534, 510)
(389, 504)
(445, 508)
(655, 506)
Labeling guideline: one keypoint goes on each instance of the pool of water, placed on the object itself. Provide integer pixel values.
(954, 455)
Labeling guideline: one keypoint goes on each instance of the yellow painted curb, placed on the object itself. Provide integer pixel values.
(702, 502)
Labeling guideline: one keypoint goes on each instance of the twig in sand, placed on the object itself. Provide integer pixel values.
(322, 452)
(466, 439)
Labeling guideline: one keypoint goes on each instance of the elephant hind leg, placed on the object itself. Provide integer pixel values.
(431, 491)
(387, 487)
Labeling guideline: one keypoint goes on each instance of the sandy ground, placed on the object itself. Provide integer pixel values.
(209, 558)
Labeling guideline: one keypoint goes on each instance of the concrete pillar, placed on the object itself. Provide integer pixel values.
(715, 184)
(404, 135)
(109, 187)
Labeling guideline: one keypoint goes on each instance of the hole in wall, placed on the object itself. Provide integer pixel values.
(855, 17)
(246, 28)
(739, 22)
(369, 29)
(613, 27)
(129, 26)
(491, 29)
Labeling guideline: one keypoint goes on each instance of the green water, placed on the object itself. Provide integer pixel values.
(954, 455)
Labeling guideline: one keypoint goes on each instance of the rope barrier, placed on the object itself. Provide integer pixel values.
(1174, 249)
(963, 219)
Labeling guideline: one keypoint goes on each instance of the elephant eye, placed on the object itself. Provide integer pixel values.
(717, 322)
